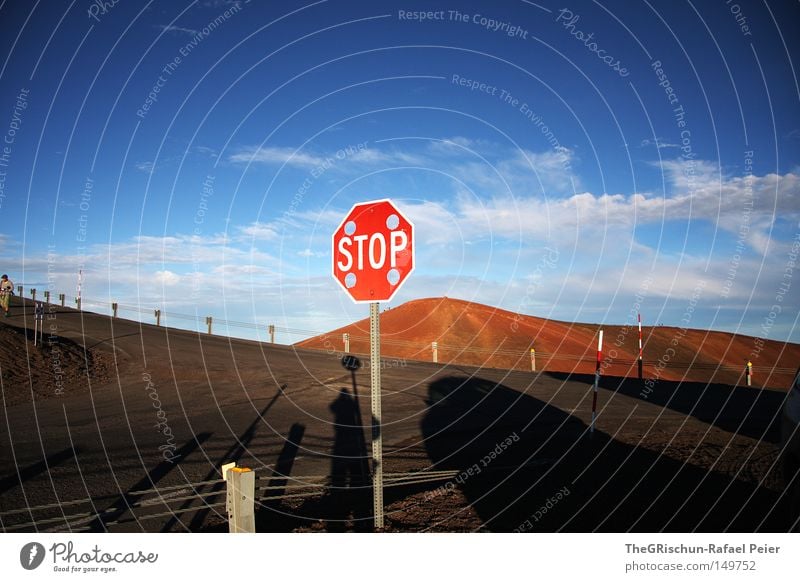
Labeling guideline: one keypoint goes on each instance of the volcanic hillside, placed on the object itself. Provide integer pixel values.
(476, 334)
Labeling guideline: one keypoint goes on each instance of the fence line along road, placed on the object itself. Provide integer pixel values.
(422, 347)
(137, 502)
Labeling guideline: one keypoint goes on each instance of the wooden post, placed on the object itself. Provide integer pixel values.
(240, 499)
(61, 298)
(435, 350)
(346, 338)
(78, 302)
(33, 295)
(208, 322)
(47, 296)
(114, 307)
(271, 334)
(19, 292)
(157, 313)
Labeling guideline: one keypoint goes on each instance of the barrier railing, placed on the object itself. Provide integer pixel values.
(435, 349)
(139, 504)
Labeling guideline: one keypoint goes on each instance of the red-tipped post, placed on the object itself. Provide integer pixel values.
(596, 380)
(641, 364)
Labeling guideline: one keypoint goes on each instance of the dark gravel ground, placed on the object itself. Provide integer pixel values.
(155, 409)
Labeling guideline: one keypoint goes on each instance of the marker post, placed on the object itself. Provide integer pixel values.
(641, 365)
(38, 324)
(596, 380)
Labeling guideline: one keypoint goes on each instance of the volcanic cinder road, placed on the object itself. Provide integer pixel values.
(147, 407)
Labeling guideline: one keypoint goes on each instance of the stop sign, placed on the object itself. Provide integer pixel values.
(373, 251)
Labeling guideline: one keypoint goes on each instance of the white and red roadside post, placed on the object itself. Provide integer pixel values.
(749, 373)
(78, 299)
(641, 364)
(38, 324)
(373, 254)
(596, 380)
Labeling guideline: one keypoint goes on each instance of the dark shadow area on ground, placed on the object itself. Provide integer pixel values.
(752, 412)
(14, 480)
(117, 509)
(283, 466)
(527, 466)
(234, 453)
(349, 489)
(346, 504)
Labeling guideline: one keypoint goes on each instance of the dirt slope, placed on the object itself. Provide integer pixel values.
(55, 367)
(476, 334)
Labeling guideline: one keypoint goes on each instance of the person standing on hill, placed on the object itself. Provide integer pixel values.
(6, 291)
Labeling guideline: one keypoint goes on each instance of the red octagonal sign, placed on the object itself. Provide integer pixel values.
(373, 251)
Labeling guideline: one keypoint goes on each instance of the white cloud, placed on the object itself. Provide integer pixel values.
(734, 204)
(658, 142)
(146, 167)
(276, 156)
(308, 254)
(259, 231)
(166, 278)
(178, 29)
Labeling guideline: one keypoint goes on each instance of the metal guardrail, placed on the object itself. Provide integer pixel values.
(298, 487)
(421, 347)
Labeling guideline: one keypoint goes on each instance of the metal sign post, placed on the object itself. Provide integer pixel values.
(377, 437)
(373, 254)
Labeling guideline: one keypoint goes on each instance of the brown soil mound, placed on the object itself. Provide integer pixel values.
(480, 335)
(58, 367)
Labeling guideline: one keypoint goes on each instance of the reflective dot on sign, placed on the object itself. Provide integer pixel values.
(350, 228)
(393, 221)
(350, 280)
(393, 276)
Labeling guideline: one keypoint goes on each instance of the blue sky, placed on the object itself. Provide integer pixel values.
(570, 161)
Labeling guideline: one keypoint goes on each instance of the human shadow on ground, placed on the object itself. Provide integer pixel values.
(524, 465)
(349, 489)
(752, 412)
(346, 504)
